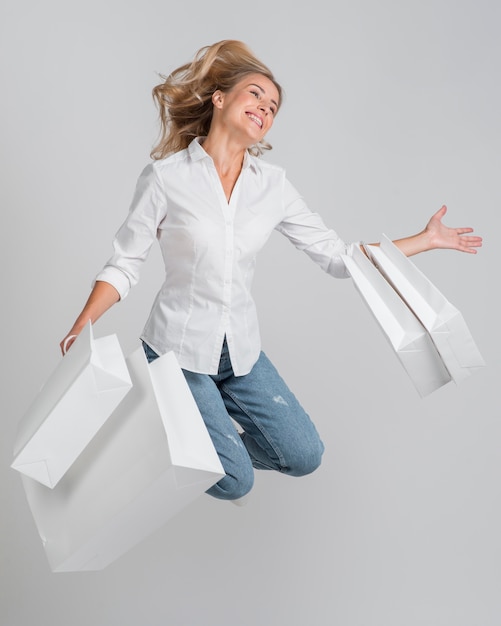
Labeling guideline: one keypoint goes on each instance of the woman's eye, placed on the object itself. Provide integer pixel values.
(255, 93)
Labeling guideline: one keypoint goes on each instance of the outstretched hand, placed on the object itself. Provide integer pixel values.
(441, 236)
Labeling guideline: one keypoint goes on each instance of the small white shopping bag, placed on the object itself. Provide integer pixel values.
(441, 318)
(407, 336)
(151, 459)
(76, 400)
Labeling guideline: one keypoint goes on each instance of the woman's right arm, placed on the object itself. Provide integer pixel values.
(131, 246)
(103, 296)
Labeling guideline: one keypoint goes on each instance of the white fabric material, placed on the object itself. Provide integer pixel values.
(209, 246)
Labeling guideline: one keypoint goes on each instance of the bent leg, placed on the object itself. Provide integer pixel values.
(232, 453)
(234, 457)
(278, 433)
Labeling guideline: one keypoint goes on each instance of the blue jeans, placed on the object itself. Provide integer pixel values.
(277, 433)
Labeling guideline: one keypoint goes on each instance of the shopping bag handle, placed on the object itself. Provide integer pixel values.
(65, 344)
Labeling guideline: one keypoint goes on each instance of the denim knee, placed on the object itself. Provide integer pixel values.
(232, 487)
(306, 460)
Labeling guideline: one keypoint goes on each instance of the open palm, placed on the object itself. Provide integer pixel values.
(441, 236)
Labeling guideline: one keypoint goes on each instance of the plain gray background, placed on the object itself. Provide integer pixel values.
(392, 109)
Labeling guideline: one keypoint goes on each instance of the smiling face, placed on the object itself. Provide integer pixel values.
(248, 110)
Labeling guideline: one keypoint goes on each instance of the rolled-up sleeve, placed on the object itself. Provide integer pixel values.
(307, 232)
(136, 235)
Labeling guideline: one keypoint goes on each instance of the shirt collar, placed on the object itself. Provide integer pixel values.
(197, 152)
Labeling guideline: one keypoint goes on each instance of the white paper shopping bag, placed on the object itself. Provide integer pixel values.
(441, 318)
(407, 336)
(82, 392)
(151, 459)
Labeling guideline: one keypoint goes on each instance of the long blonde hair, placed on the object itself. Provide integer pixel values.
(184, 98)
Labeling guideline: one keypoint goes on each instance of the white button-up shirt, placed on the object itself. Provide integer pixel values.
(209, 248)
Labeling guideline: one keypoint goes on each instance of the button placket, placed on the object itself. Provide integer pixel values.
(228, 262)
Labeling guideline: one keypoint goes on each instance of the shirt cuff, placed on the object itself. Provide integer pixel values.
(337, 267)
(116, 278)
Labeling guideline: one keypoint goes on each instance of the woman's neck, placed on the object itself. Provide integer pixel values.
(228, 159)
(227, 155)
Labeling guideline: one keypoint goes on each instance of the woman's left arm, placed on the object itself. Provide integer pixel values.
(437, 235)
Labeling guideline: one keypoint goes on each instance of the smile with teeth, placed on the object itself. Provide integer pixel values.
(255, 119)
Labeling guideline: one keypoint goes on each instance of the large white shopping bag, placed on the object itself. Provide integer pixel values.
(79, 396)
(151, 459)
(441, 318)
(407, 336)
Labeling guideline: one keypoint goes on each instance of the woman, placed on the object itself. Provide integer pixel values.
(212, 204)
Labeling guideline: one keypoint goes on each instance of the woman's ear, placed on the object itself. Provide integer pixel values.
(217, 98)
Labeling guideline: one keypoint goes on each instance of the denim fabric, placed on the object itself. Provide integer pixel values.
(277, 433)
